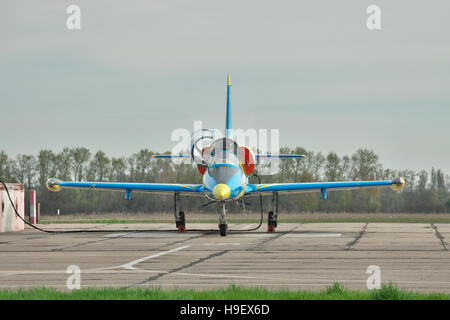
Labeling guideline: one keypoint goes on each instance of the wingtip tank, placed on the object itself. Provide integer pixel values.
(53, 184)
(398, 183)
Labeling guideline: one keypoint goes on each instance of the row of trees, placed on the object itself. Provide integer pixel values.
(425, 191)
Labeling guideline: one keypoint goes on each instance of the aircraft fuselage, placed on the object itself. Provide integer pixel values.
(224, 178)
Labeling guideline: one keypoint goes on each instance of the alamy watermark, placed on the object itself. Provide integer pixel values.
(73, 22)
(74, 280)
(373, 21)
(374, 280)
(260, 141)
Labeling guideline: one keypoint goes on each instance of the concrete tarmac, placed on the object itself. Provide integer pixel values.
(297, 256)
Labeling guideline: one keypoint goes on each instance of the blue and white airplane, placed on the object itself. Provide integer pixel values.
(226, 166)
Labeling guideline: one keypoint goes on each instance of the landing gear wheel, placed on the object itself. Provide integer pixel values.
(181, 224)
(271, 222)
(223, 229)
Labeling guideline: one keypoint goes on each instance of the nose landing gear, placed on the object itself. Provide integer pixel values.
(181, 224)
(179, 215)
(272, 221)
(223, 227)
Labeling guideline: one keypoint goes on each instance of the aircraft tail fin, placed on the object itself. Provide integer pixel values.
(228, 115)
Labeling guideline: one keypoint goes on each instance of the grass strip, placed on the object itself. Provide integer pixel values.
(334, 292)
(299, 220)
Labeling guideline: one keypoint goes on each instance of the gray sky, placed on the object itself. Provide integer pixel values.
(137, 70)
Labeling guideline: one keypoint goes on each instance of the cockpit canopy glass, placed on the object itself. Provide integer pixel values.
(224, 151)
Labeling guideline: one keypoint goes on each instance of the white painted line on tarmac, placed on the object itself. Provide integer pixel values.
(109, 270)
(252, 235)
(156, 234)
(312, 235)
(117, 235)
(129, 265)
(280, 280)
(222, 244)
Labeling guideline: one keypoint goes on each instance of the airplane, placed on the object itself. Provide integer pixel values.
(225, 166)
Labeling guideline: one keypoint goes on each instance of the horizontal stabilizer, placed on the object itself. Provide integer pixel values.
(280, 156)
(168, 156)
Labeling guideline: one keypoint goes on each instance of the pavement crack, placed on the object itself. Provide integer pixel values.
(123, 236)
(83, 244)
(439, 236)
(352, 243)
(278, 235)
(188, 265)
(181, 241)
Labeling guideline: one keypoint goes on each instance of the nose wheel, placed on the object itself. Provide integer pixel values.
(181, 224)
(272, 221)
(223, 227)
(180, 221)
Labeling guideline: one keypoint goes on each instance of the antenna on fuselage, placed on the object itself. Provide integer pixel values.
(228, 115)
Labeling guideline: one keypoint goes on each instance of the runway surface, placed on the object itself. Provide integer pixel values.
(297, 256)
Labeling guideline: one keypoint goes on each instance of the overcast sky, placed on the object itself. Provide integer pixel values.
(137, 70)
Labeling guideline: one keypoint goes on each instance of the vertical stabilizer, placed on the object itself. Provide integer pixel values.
(228, 115)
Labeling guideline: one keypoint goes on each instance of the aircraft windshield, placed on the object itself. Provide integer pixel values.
(224, 151)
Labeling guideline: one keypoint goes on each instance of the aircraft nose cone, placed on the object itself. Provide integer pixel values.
(221, 191)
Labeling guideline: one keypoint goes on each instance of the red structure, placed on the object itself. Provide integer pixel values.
(33, 213)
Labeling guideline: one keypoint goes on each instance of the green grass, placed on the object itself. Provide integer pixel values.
(161, 221)
(233, 292)
(396, 219)
(104, 221)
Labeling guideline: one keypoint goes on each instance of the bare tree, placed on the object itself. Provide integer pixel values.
(64, 163)
(143, 164)
(25, 169)
(423, 180)
(6, 173)
(99, 166)
(80, 157)
(44, 165)
(118, 167)
(132, 165)
(364, 164)
(333, 167)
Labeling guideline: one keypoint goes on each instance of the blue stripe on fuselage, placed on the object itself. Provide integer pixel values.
(236, 183)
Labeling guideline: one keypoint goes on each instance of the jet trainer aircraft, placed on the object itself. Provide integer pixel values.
(225, 166)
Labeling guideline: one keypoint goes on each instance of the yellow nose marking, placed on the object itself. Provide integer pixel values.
(221, 191)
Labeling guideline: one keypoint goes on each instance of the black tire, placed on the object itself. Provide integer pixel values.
(182, 220)
(182, 216)
(271, 221)
(223, 229)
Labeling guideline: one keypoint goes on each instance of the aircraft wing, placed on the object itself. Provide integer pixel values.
(322, 187)
(190, 189)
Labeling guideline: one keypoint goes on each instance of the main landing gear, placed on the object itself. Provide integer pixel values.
(272, 220)
(223, 227)
(179, 215)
